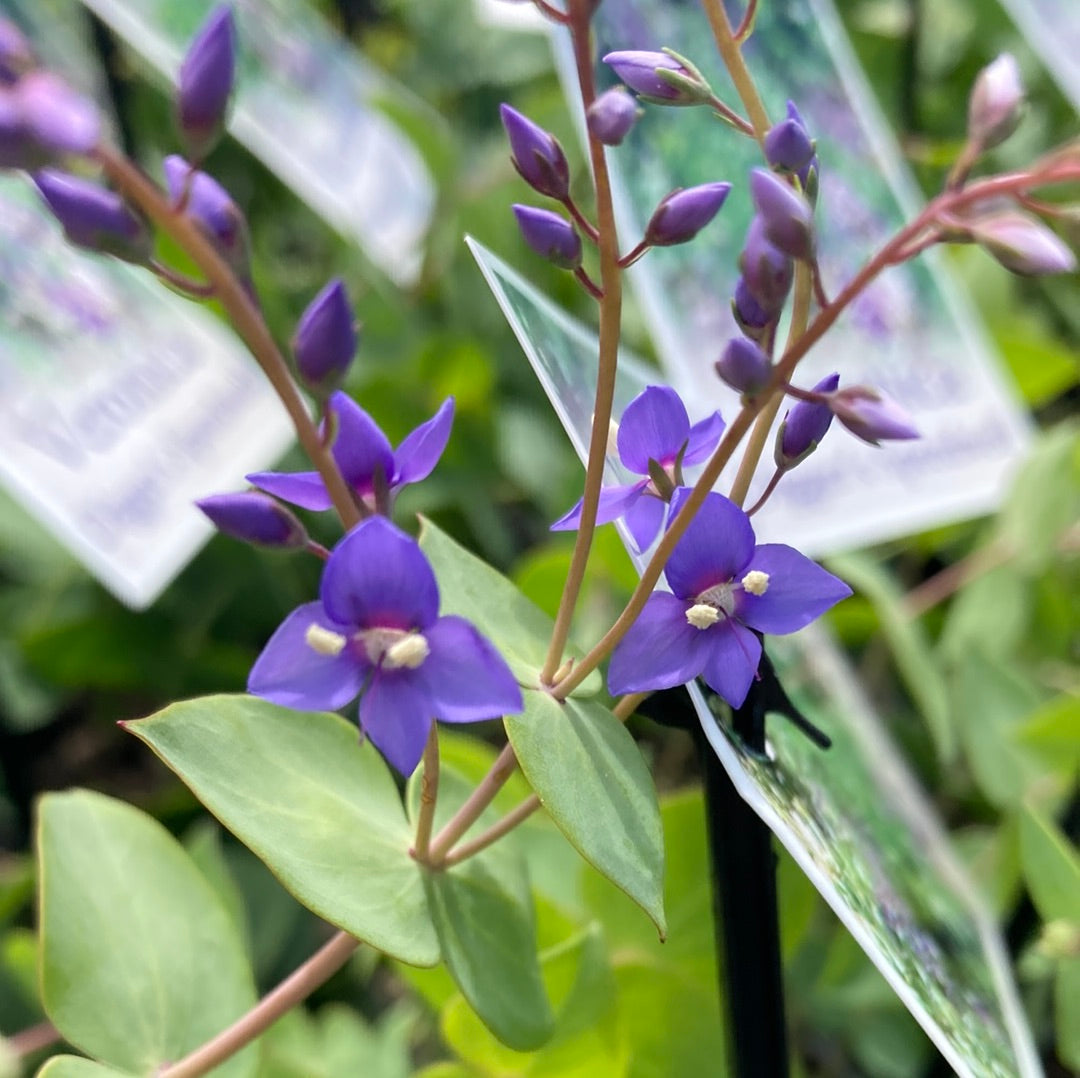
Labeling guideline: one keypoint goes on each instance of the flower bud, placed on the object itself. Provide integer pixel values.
(254, 517)
(767, 271)
(57, 118)
(787, 217)
(664, 78)
(550, 236)
(1022, 244)
(749, 314)
(803, 427)
(16, 57)
(210, 206)
(788, 145)
(325, 340)
(94, 217)
(205, 83)
(682, 214)
(611, 116)
(872, 416)
(536, 155)
(744, 366)
(996, 105)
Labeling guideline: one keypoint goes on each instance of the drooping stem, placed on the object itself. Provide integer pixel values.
(730, 116)
(767, 492)
(429, 793)
(583, 222)
(730, 48)
(746, 26)
(316, 971)
(180, 281)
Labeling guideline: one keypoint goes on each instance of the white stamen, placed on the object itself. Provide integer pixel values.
(702, 615)
(613, 439)
(324, 641)
(410, 651)
(756, 582)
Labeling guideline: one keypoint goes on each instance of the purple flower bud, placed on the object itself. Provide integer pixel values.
(744, 366)
(325, 340)
(1022, 244)
(767, 271)
(206, 80)
(536, 155)
(213, 210)
(550, 236)
(644, 72)
(56, 118)
(254, 517)
(996, 105)
(750, 315)
(803, 427)
(872, 416)
(788, 146)
(94, 217)
(786, 215)
(611, 116)
(682, 214)
(16, 57)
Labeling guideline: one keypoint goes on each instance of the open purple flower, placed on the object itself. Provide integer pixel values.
(375, 632)
(364, 455)
(726, 590)
(654, 429)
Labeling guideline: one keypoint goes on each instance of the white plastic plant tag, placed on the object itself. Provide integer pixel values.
(308, 106)
(121, 404)
(1053, 28)
(852, 817)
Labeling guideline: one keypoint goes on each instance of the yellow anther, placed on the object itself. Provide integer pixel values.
(702, 615)
(756, 582)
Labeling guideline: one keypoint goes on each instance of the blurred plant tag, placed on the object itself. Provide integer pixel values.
(119, 404)
(852, 817)
(1053, 29)
(310, 108)
(911, 333)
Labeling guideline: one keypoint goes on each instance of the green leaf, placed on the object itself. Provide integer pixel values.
(990, 613)
(1051, 867)
(1067, 1011)
(591, 777)
(140, 963)
(471, 588)
(203, 844)
(1053, 731)
(319, 808)
(77, 1067)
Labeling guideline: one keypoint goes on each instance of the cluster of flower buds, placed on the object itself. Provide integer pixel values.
(661, 78)
(789, 148)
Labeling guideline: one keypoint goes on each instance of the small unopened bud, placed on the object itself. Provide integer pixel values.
(768, 272)
(253, 517)
(682, 214)
(996, 105)
(788, 145)
(872, 416)
(664, 78)
(59, 120)
(205, 83)
(1022, 244)
(611, 116)
(16, 56)
(752, 318)
(803, 427)
(325, 340)
(536, 155)
(550, 236)
(744, 366)
(787, 217)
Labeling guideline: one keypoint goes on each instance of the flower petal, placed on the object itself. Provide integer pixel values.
(396, 713)
(732, 663)
(614, 501)
(799, 591)
(644, 518)
(704, 438)
(660, 651)
(654, 425)
(305, 489)
(360, 447)
(291, 673)
(418, 454)
(713, 550)
(377, 576)
(465, 675)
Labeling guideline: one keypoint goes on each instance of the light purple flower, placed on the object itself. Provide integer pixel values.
(375, 632)
(744, 366)
(996, 105)
(872, 416)
(205, 83)
(767, 271)
(549, 235)
(788, 145)
(683, 213)
(726, 590)
(325, 340)
(805, 424)
(43, 118)
(16, 56)
(654, 428)
(610, 117)
(1022, 244)
(254, 518)
(787, 217)
(642, 72)
(365, 457)
(536, 154)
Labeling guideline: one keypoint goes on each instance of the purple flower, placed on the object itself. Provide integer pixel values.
(788, 145)
(664, 79)
(744, 366)
(549, 235)
(996, 105)
(872, 416)
(805, 424)
(536, 155)
(787, 217)
(1022, 244)
(655, 430)
(206, 80)
(254, 518)
(611, 116)
(42, 118)
(767, 271)
(376, 633)
(326, 339)
(748, 313)
(726, 590)
(365, 458)
(683, 213)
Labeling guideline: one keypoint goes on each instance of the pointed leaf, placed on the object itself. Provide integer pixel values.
(1051, 867)
(140, 961)
(319, 808)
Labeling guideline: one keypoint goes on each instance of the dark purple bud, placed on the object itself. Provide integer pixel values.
(536, 155)
(744, 366)
(786, 215)
(752, 318)
(550, 236)
(660, 77)
(16, 57)
(206, 80)
(803, 427)
(1022, 244)
(325, 340)
(788, 146)
(94, 217)
(210, 206)
(767, 271)
(682, 214)
(55, 117)
(611, 116)
(872, 416)
(996, 105)
(254, 517)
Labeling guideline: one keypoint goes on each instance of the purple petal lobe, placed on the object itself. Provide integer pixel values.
(396, 713)
(644, 518)
(360, 447)
(305, 489)
(654, 425)
(734, 654)
(660, 651)
(465, 675)
(378, 577)
(291, 673)
(614, 502)
(704, 438)
(799, 590)
(418, 454)
(713, 550)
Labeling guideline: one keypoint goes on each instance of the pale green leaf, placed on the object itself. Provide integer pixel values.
(1051, 867)
(1067, 1011)
(77, 1067)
